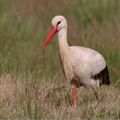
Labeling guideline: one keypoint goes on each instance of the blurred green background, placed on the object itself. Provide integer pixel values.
(24, 25)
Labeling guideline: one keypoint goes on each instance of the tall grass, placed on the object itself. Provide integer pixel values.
(32, 83)
(28, 98)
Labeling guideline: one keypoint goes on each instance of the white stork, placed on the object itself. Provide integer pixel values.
(82, 66)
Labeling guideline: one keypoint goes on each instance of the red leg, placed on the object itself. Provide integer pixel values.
(74, 97)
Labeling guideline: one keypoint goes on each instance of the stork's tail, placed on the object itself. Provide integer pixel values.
(103, 76)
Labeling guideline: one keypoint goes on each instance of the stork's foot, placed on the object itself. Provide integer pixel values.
(97, 96)
(96, 92)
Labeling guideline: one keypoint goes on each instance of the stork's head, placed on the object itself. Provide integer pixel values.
(58, 23)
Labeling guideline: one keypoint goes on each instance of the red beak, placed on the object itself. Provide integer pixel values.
(50, 36)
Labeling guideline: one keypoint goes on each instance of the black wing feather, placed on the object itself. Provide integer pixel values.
(103, 76)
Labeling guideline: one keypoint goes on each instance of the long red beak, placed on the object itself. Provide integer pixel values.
(50, 36)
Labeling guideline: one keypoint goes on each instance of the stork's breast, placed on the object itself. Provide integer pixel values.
(67, 68)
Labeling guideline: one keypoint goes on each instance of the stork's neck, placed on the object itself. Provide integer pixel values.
(62, 38)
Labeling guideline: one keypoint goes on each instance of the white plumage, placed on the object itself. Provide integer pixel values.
(82, 66)
(85, 63)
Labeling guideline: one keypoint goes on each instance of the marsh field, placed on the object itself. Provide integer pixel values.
(32, 85)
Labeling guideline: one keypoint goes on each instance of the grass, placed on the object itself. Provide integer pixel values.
(26, 99)
(32, 85)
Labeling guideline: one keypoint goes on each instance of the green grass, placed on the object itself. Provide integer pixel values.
(25, 67)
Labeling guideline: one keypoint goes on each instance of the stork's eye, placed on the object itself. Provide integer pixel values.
(58, 22)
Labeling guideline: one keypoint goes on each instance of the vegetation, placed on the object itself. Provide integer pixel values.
(32, 85)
